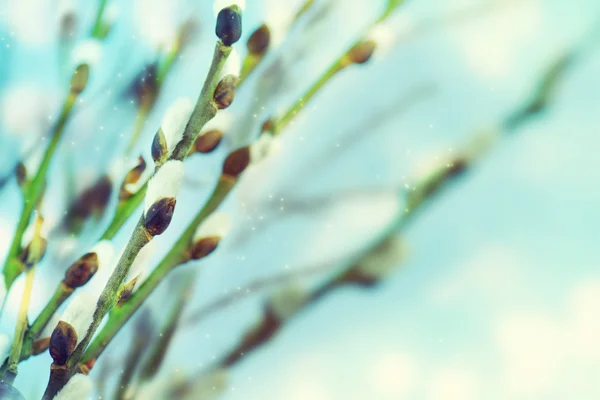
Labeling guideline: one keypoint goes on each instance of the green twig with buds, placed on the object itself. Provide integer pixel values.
(33, 190)
(228, 30)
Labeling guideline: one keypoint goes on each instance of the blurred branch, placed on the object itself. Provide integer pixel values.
(250, 288)
(424, 190)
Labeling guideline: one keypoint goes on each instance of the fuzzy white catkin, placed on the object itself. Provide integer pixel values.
(88, 52)
(80, 311)
(217, 224)
(383, 260)
(25, 111)
(105, 252)
(174, 121)
(287, 300)
(141, 265)
(233, 66)
(79, 387)
(120, 167)
(266, 146)
(164, 184)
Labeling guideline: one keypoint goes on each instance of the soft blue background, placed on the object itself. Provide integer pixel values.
(500, 295)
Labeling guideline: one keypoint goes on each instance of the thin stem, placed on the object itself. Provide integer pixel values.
(99, 30)
(176, 256)
(12, 266)
(204, 111)
(165, 339)
(333, 69)
(140, 120)
(21, 326)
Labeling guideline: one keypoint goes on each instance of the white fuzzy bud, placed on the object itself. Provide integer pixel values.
(233, 66)
(385, 36)
(285, 302)
(88, 52)
(141, 265)
(217, 224)
(175, 120)
(25, 112)
(120, 167)
(164, 184)
(383, 260)
(279, 17)
(79, 312)
(79, 387)
(105, 252)
(265, 146)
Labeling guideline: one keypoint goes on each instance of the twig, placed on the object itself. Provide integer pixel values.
(249, 289)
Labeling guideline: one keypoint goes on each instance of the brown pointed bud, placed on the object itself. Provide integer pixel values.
(236, 162)
(144, 87)
(204, 247)
(82, 270)
(159, 148)
(127, 290)
(132, 177)
(225, 92)
(92, 200)
(80, 78)
(40, 346)
(259, 41)
(268, 126)
(159, 215)
(362, 52)
(208, 141)
(229, 25)
(21, 173)
(62, 342)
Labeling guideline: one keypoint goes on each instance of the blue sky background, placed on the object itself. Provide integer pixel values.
(499, 295)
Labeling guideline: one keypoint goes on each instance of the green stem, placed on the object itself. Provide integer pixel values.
(12, 267)
(284, 121)
(15, 351)
(204, 111)
(165, 339)
(177, 255)
(99, 30)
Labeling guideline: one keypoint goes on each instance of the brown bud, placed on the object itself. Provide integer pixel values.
(21, 173)
(225, 92)
(93, 199)
(229, 25)
(361, 52)
(40, 346)
(203, 247)
(62, 342)
(236, 162)
(159, 148)
(28, 258)
(259, 41)
(158, 217)
(132, 177)
(267, 126)
(80, 78)
(127, 290)
(82, 270)
(208, 141)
